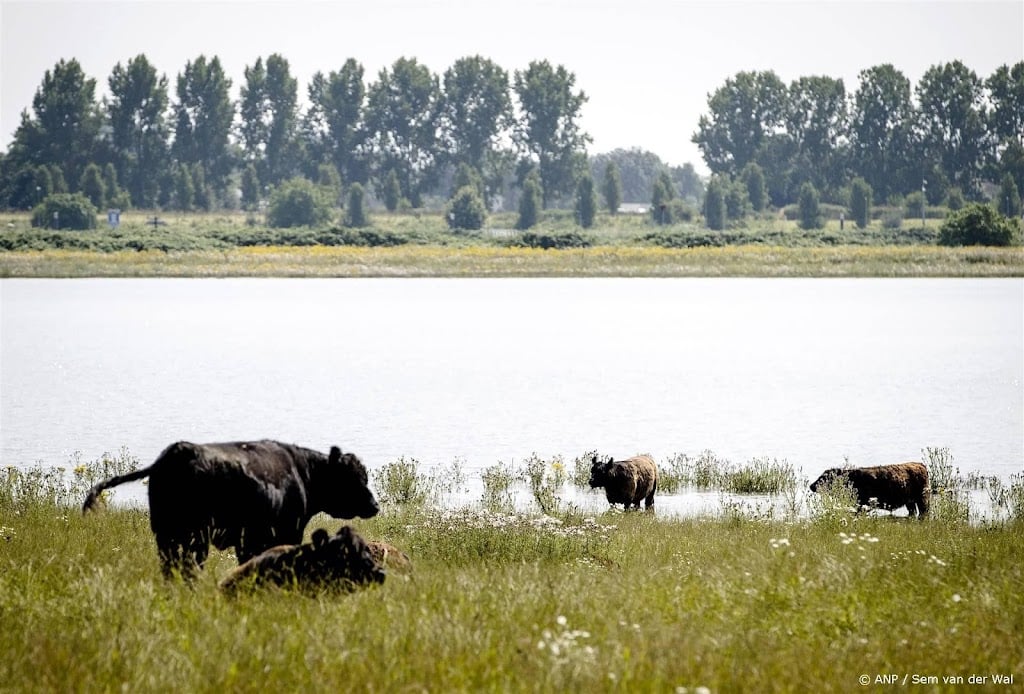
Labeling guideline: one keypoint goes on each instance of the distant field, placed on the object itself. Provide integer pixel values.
(420, 245)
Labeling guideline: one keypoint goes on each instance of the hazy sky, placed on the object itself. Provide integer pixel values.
(646, 66)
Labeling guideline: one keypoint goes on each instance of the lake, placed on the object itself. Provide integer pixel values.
(817, 372)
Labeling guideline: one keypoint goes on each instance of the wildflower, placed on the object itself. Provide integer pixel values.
(781, 542)
(956, 597)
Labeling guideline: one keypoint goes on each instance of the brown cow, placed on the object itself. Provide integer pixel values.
(330, 562)
(887, 486)
(247, 495)
(626, 482)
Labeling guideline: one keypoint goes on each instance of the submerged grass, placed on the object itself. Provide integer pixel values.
(520, 602)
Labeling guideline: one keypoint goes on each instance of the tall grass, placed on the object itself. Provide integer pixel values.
(518, 602)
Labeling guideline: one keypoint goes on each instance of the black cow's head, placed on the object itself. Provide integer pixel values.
(828, 479)
(346, 486)
(599, 472)
(344, 556)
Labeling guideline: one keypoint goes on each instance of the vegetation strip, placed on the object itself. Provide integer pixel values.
(601, 261)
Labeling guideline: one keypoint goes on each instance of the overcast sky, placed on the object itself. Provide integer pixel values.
(646, 66)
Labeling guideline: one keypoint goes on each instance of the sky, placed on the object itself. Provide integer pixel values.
(646, 66)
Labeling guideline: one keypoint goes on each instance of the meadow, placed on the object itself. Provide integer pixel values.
(503, 599)
(418, 244)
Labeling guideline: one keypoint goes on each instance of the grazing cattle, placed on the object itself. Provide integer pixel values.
(626, 481)
(341, 561)
(250, 496)
(887, 486)
(389, 556)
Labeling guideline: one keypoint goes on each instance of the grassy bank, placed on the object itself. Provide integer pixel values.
(419, 245)
(520, 602)
(489, 261)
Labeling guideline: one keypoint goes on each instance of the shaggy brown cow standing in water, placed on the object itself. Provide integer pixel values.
(889, 486)
(342, 561)
(626, 481)
(250, 496)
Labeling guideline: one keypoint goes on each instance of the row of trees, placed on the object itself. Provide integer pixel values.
(404, 134)
(954, 130)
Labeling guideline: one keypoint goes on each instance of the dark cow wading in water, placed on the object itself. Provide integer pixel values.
(889, 486)
(247, 495)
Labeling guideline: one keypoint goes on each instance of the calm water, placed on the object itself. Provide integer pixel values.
(812, 371)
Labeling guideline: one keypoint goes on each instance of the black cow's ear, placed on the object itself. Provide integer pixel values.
(593, 461)
(335, 456)
(320, 537)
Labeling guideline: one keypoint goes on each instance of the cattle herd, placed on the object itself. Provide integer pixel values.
(257, 497)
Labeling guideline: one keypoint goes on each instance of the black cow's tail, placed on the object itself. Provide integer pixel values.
(95, 492)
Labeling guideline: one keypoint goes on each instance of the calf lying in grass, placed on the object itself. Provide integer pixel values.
(342, 561)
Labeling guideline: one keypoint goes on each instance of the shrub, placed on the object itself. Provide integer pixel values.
(65, 211)
(297, 203)
(978, 225)
(860, 202)
(92, 186)
(466, 209)
(355, 212)
(530, 202)
(810, 210)
(714, 205)
(552, 239)
(586, 202)
(1009, 197)
(401, 483)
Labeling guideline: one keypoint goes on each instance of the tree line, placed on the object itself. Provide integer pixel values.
(953, 135)
(405, 133)
(411, 136)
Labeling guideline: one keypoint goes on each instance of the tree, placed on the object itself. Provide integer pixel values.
(1006, 122)
(952, 123)
(816, 120)
(752, 177)
(136, 112)
(65, 211)
(611, 188)
(64, 128)
(467, 175)
(269, 119)
(184, 190)
(978, 225)
(881, 132)
(333, 126)
(298, 202)
(549, 129)
(250, 187)
(392, 191)
(743, 113)
(637, 170)
(530, 201)
(860, 202)
(92, 185)
(111, 186)
(714, 204)
(202, 120)
(810, 210)
(477, 112)
(737, 202)
(355, 213)
(466, 210)
(661, 195)
(1009, 198)
(586, 201)
(403, 118)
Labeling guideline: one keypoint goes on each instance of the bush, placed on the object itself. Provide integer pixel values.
(548, 240)
(978, 225)
(714, 205)
(860, 202)
(65, 211)
(298, 203)
(355, 212)
(466, 210)
(586, 202)
(530, 202)
(810, 209)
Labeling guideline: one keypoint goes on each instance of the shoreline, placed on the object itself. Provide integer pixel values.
(485, 261)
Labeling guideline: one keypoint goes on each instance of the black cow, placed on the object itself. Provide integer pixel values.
(626, 482)
(247, 495)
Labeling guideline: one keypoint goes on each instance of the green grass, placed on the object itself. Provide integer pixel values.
(517, 602)
(418, 244)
